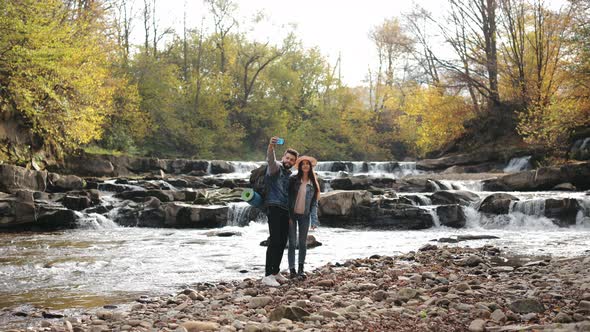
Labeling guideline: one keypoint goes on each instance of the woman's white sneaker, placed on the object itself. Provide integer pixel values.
(270, 281)
(280, 278)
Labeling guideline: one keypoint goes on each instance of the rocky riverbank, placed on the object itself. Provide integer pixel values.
(434, 289)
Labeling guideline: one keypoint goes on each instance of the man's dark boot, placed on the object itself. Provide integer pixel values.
(300, 272)
(292, 273)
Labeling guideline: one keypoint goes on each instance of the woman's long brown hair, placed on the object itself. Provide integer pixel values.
(312, 177)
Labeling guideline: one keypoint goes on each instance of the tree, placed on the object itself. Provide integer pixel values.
(54, 69)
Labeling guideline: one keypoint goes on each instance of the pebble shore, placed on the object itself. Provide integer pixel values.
(433, 289)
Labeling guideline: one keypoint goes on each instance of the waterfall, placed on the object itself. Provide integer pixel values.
(434, 185)
(241, 214)
(95, 221)
(531, 207)
(324, 166)
(518, 164)
(583, 216)
(245, 166)
(359, 167)
(434, 214)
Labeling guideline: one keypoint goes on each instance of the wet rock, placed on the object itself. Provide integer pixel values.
(55, 218)
(223, 233)
(544, 178)
(351, 183)
(181, 215)
(451, 216)
(13, 178)
(49, 314)
(428, 247)
(311, 242)
(61, 183)
(341, 203)
(461, 197)
(77, 203)
(471, 261)
(525, 306)
(565, 187)
(563, 211)
(221, 167)
(498, 203)
(139, 195)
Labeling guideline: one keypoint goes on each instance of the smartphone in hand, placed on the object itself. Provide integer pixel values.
(280, 141)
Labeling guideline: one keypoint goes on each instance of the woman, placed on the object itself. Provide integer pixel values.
(304, 193)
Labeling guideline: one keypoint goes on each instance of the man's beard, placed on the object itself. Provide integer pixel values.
(287, 167)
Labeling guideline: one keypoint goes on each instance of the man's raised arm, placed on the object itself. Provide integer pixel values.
(273, 168)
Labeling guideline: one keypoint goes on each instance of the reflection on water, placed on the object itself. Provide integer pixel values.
(89, 268)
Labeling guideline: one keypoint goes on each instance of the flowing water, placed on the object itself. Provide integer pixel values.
(101, 262)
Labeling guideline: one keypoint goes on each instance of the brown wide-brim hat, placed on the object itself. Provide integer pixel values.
(311, 160)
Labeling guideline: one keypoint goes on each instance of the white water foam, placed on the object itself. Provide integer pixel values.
(95, 221)
(514, 221)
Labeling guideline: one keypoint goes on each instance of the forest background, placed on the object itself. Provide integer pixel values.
(72, 79)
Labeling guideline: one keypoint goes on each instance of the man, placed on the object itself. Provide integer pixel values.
(277, 201)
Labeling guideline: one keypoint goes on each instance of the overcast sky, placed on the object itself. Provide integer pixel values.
(335, 26)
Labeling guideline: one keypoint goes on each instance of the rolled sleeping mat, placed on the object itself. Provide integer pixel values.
(252, 197)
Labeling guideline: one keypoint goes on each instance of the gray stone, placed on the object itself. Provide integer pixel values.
(289, 312)
(584, 306)
(259, 302)
(196, 326)
(562, 318)
(406, 294)
(525, 306)
(477, 325)
(341, 203)
(498, 316)
(13, 178)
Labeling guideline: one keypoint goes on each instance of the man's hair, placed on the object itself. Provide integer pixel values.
(293, 152)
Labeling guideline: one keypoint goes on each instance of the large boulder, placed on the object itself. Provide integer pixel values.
(398, 217)
(179, 215)
(54, 218)
(545, 178)
(14, 178)
(498, 203)
(562, 211)
(580, 149)
(479, 157)
(341, 203)
(138, 195)
(461, 197)
(61, 183)
(184, 166)
(415, 185)
(88, 165)
(451, 216)
(351, 183)
(221, 167)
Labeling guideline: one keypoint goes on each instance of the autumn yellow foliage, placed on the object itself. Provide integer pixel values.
(430, 118)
